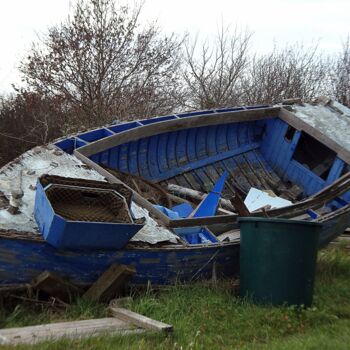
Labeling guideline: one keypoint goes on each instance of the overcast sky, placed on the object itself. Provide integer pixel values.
(326, 22)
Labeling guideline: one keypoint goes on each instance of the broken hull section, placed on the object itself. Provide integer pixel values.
(23, 259)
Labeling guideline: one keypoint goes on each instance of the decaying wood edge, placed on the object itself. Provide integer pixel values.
(139, 320)
(291, 119)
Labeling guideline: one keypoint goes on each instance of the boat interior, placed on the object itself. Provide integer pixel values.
(256, 145)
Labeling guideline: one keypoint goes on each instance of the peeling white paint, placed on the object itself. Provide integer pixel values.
(24, 173)
(329, 121)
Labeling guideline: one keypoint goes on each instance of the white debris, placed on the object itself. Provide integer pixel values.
(152, 232)
(25, 171)
(257, 199)
(230, 236)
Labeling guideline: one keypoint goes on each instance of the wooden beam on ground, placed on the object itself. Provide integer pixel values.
(56, 286)
(14, 288)
(111, 283)
(140, 320)
(72, 330)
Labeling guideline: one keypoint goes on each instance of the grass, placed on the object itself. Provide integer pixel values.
(208, 317)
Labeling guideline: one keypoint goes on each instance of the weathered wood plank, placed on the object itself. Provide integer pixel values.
(197, 195)
(73, 330)
(140, 320)
(14, 288)
(239, 205)
(110, 283)
(200, 163)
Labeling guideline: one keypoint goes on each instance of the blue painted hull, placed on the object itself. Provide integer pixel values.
(23, 259)
(256, 152)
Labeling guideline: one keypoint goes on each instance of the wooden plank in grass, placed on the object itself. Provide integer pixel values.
(73, 330)
(140, 320)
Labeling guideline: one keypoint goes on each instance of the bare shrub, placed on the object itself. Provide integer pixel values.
(104, 65)
(213, 74)
(340, 75)
(293, 71)
(28, 119)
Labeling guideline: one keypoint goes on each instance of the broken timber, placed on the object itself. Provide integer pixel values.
(110, 283)
(197, 195)
(56, 286)
(124, 322)
(140, 320)
(315, 201)
(239, 205)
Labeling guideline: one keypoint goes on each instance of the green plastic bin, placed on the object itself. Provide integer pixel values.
(278, 260)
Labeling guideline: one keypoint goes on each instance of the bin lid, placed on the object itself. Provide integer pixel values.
(278, 220)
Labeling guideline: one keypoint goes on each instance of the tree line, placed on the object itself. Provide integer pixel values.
(101, 66)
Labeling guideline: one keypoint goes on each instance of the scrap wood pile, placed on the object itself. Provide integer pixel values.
(50, 289)
(169, 194)
(59, 292)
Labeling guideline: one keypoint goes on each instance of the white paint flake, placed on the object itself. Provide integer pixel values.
(152, 232)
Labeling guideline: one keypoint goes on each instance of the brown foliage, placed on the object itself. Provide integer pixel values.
(225, 74)
(340, 75)
(293, 71)
(99, 65)
(26, 120)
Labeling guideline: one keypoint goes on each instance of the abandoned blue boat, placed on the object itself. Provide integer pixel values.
(300, 152)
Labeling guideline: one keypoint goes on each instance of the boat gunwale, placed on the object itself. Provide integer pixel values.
(198, 120)
(38, 239)
(220, 117)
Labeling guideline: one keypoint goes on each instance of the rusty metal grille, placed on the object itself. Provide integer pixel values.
(86, 204)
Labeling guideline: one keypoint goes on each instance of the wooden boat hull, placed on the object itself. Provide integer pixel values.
(258, 146)
(23, 259)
